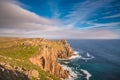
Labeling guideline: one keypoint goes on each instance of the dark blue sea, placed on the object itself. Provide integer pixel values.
(96, 60)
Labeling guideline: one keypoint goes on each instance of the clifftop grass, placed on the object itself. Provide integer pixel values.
(17, 51)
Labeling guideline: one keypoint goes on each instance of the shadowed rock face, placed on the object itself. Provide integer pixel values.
(9, 74)
(48, 58)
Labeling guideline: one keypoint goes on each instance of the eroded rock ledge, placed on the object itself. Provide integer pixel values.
(48, 57)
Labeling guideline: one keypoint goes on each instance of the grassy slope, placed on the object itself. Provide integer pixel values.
(12, 52)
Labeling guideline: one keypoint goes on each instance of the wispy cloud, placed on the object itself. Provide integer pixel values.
(54, 9)
(83, 10)
(102, 25)
(17, 21)
(112, 16)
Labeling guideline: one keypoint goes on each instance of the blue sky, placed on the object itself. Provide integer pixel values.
(81, 14)
(79, 19)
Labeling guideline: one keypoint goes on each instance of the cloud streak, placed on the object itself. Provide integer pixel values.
(81, 11)
(12, 15)
(112, 16)
(19, 22)
(102, 25)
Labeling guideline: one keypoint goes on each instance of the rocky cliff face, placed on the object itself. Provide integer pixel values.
(48, 57)
(67, 51)
(9, 72)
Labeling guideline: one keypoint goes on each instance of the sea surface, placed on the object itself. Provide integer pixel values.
(94, 60)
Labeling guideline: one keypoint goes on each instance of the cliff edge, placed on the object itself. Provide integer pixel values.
(48, 57)
(23, 57)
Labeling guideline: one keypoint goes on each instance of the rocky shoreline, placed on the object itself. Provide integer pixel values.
(48, 59)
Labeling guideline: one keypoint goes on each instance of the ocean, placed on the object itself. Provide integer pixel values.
(95, 60)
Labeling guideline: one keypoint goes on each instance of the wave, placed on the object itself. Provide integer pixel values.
(88, 58)
(76, 70)
(88, 55)
(73, 74)
(78, 55)
(75, 55)
(88, 75)
(85, 55)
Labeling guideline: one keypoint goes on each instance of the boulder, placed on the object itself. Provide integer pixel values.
(34, 73)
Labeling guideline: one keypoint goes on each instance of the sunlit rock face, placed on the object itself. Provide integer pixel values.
(67, 51)
(48, 57)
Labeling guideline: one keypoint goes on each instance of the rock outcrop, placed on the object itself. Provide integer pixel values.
(67, 51)
(48, 57)
(9, 72)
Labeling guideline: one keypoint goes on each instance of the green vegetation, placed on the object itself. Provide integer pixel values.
(14, 52)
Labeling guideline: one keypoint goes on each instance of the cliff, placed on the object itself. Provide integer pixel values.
(48, 57)
(33, 55)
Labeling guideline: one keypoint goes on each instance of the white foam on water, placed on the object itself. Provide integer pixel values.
(86, 59)
(89, 57)
(66, 62)
(72, 76)
(88, 75)
(75, 55)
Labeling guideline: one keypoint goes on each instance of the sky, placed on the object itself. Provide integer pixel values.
(60, 19)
